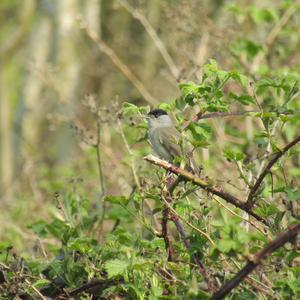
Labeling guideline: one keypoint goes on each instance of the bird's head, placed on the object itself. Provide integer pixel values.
(159, 118)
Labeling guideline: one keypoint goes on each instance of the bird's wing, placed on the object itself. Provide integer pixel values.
(173, 147)
(169, 138)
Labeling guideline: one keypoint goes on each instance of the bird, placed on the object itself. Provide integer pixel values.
(167, 142)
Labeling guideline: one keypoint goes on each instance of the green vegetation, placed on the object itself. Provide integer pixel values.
(103, 219)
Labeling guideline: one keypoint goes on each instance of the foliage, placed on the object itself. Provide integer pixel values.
(237, 118)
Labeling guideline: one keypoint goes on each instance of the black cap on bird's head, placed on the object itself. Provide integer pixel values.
(157, 112)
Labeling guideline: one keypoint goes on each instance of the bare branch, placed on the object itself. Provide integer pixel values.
(195, 257)
(152, 33)
(15, 39)
(92, 286)
(118, 63)
(170, 213)
(217, 114)
(225, 114)
(201, 232)
(267, 169)
(167, 198)
(272, 37)
(281, 239)
(204, 185)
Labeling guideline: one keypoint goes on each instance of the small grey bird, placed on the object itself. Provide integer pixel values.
(166, 140)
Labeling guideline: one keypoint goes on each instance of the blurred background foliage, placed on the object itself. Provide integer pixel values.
(55, 54)
(75, 77)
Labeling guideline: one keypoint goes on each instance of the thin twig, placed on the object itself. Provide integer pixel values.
(98, 151)
(165, 233)
(142, 222)
(237, 215)
(267, 169)
(217, 114)
(171, 185)
(133, 168)
(195, 256)
(11, 44)
(92, 284)
(118, 63)
(152, 33)
(281, 239)
(204, 185)
(255, 96)
(35, 289)
(190, 224)
(272, 37)
(100, 169)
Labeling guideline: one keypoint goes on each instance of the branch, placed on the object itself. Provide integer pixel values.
(171, 185)
(217, 114)
(267, 169)
(152, 33)
(118, 63)
(14, 39)
(90, 287)
(272, 37)
(198, 262)
(223, 114)
(165, 233)
(169, 213)
(281, 239)
(204, 185)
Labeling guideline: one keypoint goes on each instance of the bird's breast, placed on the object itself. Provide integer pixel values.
(158, 145)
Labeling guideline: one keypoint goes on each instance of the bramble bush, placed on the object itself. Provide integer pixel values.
(156, 242)
(124, 254)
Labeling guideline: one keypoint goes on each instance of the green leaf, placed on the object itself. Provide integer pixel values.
(226, 246)
(211, 67)
(246, 46)
(233, 155)
(117, 212)
(199, 134)
(201, 130)
(246, 99)
(41, 283)
(242, 79)
(263, 15)
(39, 228)
(166, 106)
(83, 244)
(116, 199)
(129, 108)
(292, 193)
(180, 103)
(189, 91)
(61, 230)
(116, 267)
(267, 210)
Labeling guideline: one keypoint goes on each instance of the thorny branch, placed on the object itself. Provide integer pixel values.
(281, 239)
(267, 169)
(204, 185)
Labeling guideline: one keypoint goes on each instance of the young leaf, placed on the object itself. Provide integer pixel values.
(116, 267)
(116, 199)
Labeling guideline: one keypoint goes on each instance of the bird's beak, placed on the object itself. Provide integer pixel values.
(145, 116)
